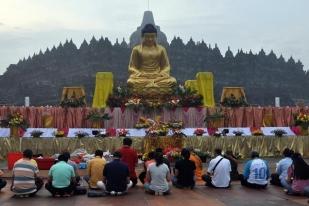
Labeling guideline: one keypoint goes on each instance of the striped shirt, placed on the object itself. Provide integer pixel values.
(24, 172)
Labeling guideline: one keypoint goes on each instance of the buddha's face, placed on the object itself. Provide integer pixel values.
(149, 39)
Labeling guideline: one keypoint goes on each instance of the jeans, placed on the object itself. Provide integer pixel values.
(286, 185)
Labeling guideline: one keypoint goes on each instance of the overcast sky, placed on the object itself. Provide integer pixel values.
(26, 26)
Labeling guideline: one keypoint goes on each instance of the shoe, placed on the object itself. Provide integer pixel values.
(119, 193)
(113, 193)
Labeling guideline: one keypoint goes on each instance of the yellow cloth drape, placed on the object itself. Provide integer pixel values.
(238, 92)
(205, 87)
(266, 146)
(191, 84)
(72, 92)
(103, 88)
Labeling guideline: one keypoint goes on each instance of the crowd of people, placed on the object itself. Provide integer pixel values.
(117, 176)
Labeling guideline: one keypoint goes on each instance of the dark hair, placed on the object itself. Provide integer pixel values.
(67, 155)
(218, 151)
(63, 157)
(149, 28)
(254, 154)
(28, 153)
(117, 154)
(159, 150)
(151, 155)
(301, 168)
(287, 152)
(127, 141)
(98, 153)
(185, 153)
(158, 158)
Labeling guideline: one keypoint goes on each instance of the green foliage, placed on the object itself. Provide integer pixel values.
(232, 101)
(73, 102)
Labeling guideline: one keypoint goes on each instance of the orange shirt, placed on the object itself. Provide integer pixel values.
(199, 166)
(95, 170)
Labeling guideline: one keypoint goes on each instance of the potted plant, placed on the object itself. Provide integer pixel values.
(16, 122)
(59, 133)
(81, 134)
(199, 132)
(257, 132)
(278, 132)
(238, 132)
(123, 132)
(302, 120)
(232, 101)
(36, 133)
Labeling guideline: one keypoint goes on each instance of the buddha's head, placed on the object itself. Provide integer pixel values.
(149, 35)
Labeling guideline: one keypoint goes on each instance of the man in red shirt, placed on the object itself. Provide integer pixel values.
(129, 156)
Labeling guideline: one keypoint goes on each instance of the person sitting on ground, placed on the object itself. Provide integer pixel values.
(165, 160)
(61, 178)
(298, 176)
(2, 182)
(198, 164)
(95, 169)
(234, 164)
(25, 176)
(116, 177)
(184, 171)
(282, 168)
(74, 165)
(256, 172)
(129, 156)
(218, 172)
(157, 177)
(150, 160)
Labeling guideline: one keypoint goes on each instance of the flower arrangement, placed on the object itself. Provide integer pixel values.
(59, 133)
(173, 154)
(238, 132)
(202, 155)
(175, 124)
(278, 132)
(256, 132)
(73, 102)
(123, 132)
(157, 128)
(172, 103)
(36, 133)
(119, 97)
(17, 120)
(199, 132)
(232, 101)
(142, 123)
(81, 134)
(302, 120)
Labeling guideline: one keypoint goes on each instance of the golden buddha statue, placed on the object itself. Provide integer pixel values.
(149, 66)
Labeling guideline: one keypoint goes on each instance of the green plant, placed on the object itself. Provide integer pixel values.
(73, 102)
(232, 101)
(97, 116)
(278, 132)
(36, 133)
(81, 134)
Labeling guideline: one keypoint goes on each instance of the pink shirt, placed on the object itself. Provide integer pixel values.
(298, 185)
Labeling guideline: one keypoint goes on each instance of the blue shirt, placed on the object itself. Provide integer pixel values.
(283, 166)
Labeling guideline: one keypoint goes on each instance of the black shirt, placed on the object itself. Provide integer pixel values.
(116, 173)
(185, 169)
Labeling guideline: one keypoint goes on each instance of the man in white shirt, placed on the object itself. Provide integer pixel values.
(218, 173)
(256, 172)
(283, 165)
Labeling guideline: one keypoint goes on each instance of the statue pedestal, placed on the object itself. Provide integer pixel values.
(152, 94)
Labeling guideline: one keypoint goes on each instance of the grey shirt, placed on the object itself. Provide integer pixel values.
(158, 177)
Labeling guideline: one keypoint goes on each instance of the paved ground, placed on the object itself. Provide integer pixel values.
(201, 195)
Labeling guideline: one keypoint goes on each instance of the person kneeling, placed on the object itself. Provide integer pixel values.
(61, 178)
(256, 172)
(184, 171)
(218, 173)
(116, 177)
(157, 176)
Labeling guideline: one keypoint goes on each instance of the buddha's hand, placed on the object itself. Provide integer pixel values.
(163, 74)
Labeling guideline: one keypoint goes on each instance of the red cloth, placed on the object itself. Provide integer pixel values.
(129, 156)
